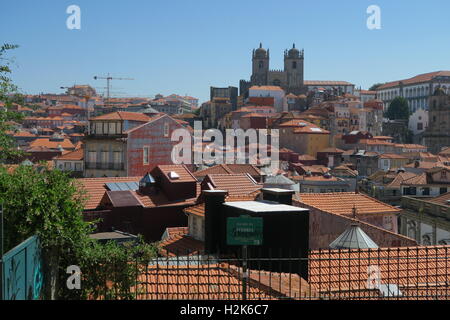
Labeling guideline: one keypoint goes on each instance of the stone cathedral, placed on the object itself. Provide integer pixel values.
(290, 79)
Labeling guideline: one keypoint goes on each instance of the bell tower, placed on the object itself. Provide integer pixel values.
(260, 66)
(293, 67)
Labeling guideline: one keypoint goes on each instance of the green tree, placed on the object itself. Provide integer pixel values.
(8, 96)
(398, 109)
(49, 204)
(375, 86)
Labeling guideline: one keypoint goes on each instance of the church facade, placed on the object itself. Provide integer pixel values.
(290, 79)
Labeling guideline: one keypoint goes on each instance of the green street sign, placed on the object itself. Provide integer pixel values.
(244, 231)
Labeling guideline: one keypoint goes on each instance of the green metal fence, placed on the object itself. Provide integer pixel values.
(21, 271)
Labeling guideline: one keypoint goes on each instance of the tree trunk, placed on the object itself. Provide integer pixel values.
(51, 268)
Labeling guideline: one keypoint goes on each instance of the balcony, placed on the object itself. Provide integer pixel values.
(104, 165)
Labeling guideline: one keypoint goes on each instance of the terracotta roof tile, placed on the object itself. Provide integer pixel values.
(122, 115)
(416, 79)
(235, 184)
(343, 203)
(443, 199)
(183, 172)
(215, 281)
(419, 272)
(95, 188)
(76, 155)
(45, 142)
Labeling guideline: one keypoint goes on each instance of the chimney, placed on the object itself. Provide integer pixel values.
(213, 218)
(281, 196)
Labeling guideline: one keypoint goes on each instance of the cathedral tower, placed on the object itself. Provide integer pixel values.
(293, 67)
(260, 66)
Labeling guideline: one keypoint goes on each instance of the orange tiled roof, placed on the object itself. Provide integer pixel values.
(235, 184)
(179, 243)
(343, 203)
(76, 155)
(229, 169)
(180, 169)
(417, 79)
(443, 199)
(445, 151)
(269, 88)
(199, 209)
(95, 188)
(217, 282)
(419, 272)
(420, 179)
(314, 178)
(45, 142)
(161, 200)
(23, 134)
(392, 156)
(123, 115)
(399, 178)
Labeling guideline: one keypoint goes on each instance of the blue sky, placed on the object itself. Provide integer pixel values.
(186, 46)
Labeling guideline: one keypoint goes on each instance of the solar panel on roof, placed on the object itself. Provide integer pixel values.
(132, 185)
(112, 186)
(122, 186)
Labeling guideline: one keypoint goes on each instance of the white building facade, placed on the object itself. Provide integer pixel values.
(415, 90)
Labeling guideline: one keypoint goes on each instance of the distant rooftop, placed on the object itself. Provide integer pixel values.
(263, 206)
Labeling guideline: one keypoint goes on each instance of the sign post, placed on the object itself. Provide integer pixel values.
(244, 231)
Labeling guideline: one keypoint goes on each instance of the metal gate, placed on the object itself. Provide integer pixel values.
(22, 274)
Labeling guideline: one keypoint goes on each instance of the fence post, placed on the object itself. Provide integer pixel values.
(244, 272)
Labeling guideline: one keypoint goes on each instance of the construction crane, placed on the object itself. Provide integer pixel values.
(108, 79)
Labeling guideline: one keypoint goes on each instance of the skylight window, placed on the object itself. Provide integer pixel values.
(173, 175)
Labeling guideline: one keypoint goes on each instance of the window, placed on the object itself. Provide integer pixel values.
(77, 166)
(146, 152)
(420, 126)
(442, 190)
(294, 64)
(425, 191)
(92, 156)
(67, 166)
(104, 156)
(117, 156)
(99, 128)
(261, 64)
(112, 128)
(166, 129)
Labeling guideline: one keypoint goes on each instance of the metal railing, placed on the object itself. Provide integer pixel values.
(409, 273)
